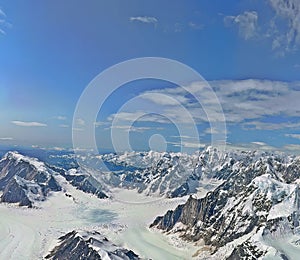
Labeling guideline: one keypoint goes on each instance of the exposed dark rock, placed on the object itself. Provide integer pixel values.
(14, 193)
(85, 182)
(25, 180)
(240, 205)
(246, 251)
(88, 246)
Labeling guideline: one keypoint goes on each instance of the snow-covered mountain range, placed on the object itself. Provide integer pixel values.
(257, 202)
(26, 180)
(253, 213)
(164, 174)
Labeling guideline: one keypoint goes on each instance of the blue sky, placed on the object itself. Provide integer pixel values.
(247, 50)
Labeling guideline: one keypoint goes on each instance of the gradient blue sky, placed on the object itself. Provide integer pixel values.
(248, 51)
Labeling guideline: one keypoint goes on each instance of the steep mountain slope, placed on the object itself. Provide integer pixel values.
(258, 198)
(89, 245)
(25, 180)
(84, 181)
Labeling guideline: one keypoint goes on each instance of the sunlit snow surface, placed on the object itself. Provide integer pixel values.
(31, 233)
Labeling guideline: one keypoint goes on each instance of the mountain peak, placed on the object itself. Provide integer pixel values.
(14, 155)
(25, 180)
(89, 245)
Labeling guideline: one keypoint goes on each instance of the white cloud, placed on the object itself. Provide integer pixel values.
(3, 22)
(159, 99)
(184, 137)
(2, 13)
(251, 146)
(186, 105)
(212, 130)
(62, 118)
(195, 26)
(257, 125)
(139, 129)
(28, 124)
(288, 11)
(282, 29)
(6, 138)
(57, 148)
(193, 145)
(178, 27)
(292, 147)
(144, 19)
(128, 128)
(140, 116)
(240, 99)
(101, 123)
(247, 23)
(244, 102)
(64, 126)
(296, 136)
(259, 143)
(80, 121)
(126, 116)
(186, 144)
(254, 99)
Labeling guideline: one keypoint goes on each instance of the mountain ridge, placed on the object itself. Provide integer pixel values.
(255, 197)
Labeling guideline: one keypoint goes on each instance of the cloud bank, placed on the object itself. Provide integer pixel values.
(28, 124)
(245, 102)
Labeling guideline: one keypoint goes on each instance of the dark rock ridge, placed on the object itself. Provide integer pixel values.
(85, 182)
(89, 246)
(25, 180)
(246, 251)
(259, 197)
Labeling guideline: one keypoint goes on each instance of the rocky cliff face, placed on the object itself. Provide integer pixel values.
(85, 182)
(25, 180)
(89, 246)
(256, 198)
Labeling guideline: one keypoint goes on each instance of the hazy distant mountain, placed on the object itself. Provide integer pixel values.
(174, 174)
(153, 173)
(166, 174)
(89, 246)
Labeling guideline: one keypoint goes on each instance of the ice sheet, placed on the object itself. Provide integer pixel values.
(31, 233)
